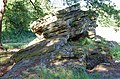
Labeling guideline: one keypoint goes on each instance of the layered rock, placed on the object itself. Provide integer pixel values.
(67, 22)
(54, 31)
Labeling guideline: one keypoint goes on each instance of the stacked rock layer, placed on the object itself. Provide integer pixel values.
(68, 22)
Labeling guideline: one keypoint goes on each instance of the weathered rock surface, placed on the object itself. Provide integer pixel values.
(59, 54)
(67, 22)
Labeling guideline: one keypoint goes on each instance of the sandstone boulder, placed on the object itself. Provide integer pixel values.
(68, 22)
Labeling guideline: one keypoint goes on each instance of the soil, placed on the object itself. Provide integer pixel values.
(108, 70)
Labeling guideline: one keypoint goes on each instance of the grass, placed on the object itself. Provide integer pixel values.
(11, 40)
(14, 45)
(57, 73)
(115, 52)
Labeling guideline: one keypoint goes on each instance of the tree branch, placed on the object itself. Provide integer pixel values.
(33, 5)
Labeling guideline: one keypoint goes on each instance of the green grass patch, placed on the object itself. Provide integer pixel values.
(57, 73)
(14, 45)
(11, 40)
(115, 52)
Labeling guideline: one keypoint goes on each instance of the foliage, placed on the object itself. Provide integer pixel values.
(18, 16)
(108, 15)
(20, 13)
(86, 41)
(115, 52)
(71, 2)
(10, 40)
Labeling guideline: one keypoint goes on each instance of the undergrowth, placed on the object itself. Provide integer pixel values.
(20, 40)
(115, 52)
(58, 73)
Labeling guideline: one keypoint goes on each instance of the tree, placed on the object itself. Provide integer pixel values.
(2, 9)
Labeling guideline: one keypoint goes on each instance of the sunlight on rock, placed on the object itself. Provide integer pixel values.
(117, 61)
(57, 63)
(65, 60)
(101, 68)
(50, 18)
(40, 23)
(53, 42)
(14, 50)
(77, 63)
(36, 40)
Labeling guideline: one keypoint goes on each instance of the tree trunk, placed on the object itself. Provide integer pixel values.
(2, 9)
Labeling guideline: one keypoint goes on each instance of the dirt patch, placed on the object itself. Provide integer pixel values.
(108, 70)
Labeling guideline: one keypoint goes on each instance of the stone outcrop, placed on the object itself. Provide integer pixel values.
(67, 22)
(54, 49)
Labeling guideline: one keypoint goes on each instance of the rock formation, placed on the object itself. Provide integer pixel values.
(68, 22)
(53, 48)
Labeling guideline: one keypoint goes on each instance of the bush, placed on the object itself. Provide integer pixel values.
(17, 18)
